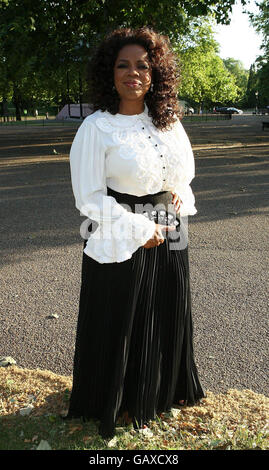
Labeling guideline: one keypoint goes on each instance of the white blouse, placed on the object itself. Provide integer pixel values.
(129, 154)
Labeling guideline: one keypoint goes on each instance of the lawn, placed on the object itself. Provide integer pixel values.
(32, 402)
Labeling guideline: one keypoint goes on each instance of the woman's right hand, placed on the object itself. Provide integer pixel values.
(158, 237)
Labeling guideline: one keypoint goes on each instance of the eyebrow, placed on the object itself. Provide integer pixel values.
(139, 60)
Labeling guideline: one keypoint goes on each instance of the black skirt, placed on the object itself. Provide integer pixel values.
(134, 342)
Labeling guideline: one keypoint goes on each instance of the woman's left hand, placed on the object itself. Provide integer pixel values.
(176, 201)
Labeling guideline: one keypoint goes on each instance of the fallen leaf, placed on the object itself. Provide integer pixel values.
(6, 361)
(26, 410)
(175, 412)
(43, 445)
(146, 432)
(53, 315)
(74, 429)
(112, 442)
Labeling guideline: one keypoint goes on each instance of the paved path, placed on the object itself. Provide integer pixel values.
(41, 251)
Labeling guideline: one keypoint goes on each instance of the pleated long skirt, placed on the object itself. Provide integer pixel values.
(134, 341)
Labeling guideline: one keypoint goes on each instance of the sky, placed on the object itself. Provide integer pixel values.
(239, 40)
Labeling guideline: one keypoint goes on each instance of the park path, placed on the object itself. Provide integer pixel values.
(41, 250)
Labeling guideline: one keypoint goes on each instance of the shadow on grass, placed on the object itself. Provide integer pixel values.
(45, 423)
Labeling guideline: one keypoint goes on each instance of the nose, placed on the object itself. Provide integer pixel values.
(133, 70)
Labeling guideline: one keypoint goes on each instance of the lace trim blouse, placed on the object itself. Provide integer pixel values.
(128, 154)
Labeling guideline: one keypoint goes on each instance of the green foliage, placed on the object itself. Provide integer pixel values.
(168, 433)
(205, 79)
(252, 87)
(237, 70)
(259, 72)
(261, 22)
(41, 41)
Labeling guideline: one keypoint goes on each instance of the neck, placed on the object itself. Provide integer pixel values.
(131, 107)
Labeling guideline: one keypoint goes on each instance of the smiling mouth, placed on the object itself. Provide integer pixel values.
(132, 84)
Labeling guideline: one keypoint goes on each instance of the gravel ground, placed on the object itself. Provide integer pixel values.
(41, 251)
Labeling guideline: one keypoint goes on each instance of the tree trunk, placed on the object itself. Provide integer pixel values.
(17, 101)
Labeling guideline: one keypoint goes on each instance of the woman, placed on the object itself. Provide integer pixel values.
(131, 166)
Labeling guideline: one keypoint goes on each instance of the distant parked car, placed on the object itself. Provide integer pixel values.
(234, 111)
(220, 109)
(190, 111)
(264, 110)
(228, 110)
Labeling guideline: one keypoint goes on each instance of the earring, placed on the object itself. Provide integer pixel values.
(151, 87)
(113, 88)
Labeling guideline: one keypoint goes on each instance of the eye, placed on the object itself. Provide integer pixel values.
(140, 66)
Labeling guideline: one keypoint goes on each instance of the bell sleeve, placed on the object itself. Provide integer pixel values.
(186, 173)
(120, 232)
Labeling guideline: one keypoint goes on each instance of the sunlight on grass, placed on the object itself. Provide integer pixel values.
(232, 420)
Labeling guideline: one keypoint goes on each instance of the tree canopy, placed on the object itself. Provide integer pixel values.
(240, 75)
(258, 85)
(42, 40)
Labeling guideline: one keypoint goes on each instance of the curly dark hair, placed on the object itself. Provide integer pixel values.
(162, 101)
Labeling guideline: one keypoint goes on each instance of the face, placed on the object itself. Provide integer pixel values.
(132, 73)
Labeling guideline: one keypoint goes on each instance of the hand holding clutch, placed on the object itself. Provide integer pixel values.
(158, 237)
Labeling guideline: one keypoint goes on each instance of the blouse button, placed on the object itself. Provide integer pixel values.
(149, 137)
(156, 145)
(143, 128)
(161, 155)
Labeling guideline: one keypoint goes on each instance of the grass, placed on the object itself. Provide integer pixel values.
(236, 420)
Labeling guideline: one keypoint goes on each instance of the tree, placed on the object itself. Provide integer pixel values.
(205, 79)
(237, 70)
(38, 46)
(251, 98)
(261, 22)
(43, 39)
(263, 74)
(260, 70)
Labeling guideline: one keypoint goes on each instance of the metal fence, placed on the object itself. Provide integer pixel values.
(30, 121)
(40, 121)
(206, 117)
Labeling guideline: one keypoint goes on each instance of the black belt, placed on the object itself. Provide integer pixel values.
(157, 207)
